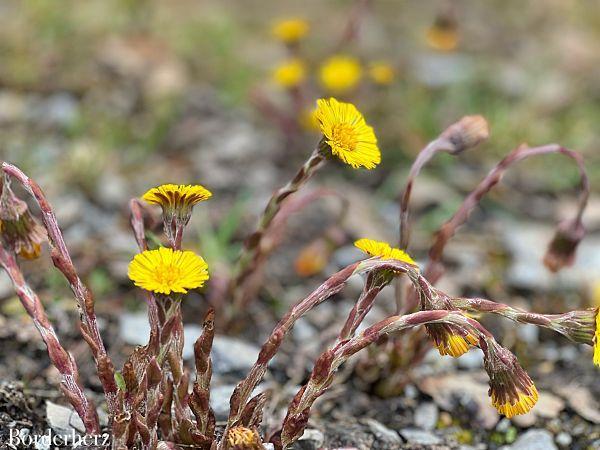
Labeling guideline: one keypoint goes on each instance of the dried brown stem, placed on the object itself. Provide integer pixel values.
(62, 261)
(59, 357)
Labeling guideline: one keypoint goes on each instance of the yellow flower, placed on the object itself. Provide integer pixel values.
(347, 134)
(382, 73)
(290, 30)
(383, 250)
(177, 196)
(340, 74)
(290, 73)
(442, 35)
(308, 120)
(242, 438)
(597, 340)
(449, 343)
(522, 405)
(166, 270)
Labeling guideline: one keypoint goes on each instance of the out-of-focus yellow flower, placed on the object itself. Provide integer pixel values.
(313, 258)
(290, 73)
(347, 134)
(290, 31)
(382, 73)
(597, 340)
(308, 120)
(166, 270)
(442, 35)
(242, 438)
(383, 250)
(340, 74)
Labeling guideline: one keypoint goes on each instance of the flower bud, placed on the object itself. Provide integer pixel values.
(562, 248)
(450, 340)
(467, 133)
(19, 229)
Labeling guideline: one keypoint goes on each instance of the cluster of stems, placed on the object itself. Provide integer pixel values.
(149, 401)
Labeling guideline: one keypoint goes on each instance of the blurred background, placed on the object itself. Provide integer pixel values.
(102, 99)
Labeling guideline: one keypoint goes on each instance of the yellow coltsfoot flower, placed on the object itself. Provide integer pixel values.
(172, 197)
(166, 270)
(340, 74)
(382, 73)
(242, 438)
(290, 73)
(347, 134)
(290, 31)
(383, 250)
(511, 390)
(448, 341)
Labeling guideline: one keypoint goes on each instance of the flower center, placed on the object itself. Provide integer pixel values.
(343, 136)
(167, 274)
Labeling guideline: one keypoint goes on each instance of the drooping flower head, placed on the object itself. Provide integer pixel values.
(443, 34)
(242, 438)
(382, 73)
(449, 340)
(290, 73)
(340, 74)
(511, 390)
(177, 202)
(290, 31)
(166, 270)
(346, 134)
(561, 250)
(19, 229)
(383, 250)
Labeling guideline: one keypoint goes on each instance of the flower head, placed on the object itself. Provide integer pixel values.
(347, 134)
(467, 133)
(166, 270)
(561, 250)
(597, 340)
(290, 31)
(511, 390)
(383, 250)
(19, 229)
(340, 74)
(290, 73)
(242, 438)
(382, 73)
(450, 341)
(177, 196)
(442, 35)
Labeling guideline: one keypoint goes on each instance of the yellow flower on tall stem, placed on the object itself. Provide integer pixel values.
(340, 74)
(290, 31)
(177, 202)
(347, 134)
(290, 73)
(165, 270)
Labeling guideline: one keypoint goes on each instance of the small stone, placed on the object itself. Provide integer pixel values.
(416, 436)
(426, 416)
(564, 439)
(536, 439)
(134, 328)
(503, 425)
(64, 421)
(232, 355)
(219, 400)
(471, 360)
(312, 439)
(382, 433)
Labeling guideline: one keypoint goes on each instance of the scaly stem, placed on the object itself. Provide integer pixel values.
(62, 260)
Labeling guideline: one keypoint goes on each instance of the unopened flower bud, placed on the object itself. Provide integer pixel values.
(561, 250)
(579, 326)
(19, 229)
(467, 133)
